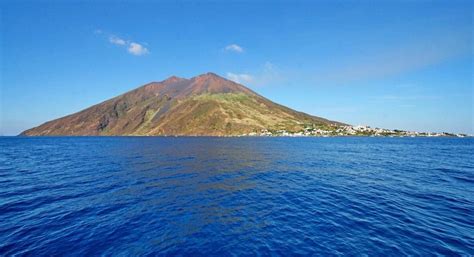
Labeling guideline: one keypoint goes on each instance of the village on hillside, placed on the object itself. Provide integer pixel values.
(360, 130)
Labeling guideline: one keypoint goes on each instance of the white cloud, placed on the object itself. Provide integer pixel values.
(239, 78)
(234, 48)
(137, 49)
(117, 41)
(133, 48)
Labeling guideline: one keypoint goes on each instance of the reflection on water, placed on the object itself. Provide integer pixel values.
(235, 196)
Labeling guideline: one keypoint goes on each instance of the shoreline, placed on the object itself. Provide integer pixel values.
(244, 136)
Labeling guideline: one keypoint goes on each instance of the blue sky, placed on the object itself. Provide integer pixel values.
(392, 64)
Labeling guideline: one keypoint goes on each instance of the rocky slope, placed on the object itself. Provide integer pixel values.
(203, 105)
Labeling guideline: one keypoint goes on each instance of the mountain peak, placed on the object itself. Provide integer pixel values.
(210, 76)
(203, 105)
(212, 83)
(173, 79)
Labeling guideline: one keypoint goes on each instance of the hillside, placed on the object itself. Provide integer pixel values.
(203, 105)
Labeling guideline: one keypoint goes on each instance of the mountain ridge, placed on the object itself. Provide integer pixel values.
(204, 105)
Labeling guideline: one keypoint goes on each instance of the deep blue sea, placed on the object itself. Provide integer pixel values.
(137, 196)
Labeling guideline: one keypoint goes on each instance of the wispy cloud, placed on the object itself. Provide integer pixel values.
(266, 75)
(240, 78)
(117, 41)
(234, 48)
(396, 60)
(269, 74)
(132, 47)
(137, 49)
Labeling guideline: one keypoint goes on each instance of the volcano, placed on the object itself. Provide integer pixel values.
(205, 105)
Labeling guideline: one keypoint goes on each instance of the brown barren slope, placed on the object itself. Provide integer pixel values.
(203, 105)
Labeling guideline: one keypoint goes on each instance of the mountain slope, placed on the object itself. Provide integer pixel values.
(203, 105)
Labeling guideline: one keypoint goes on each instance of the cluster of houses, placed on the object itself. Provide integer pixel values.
(369, 131)
(350, 131)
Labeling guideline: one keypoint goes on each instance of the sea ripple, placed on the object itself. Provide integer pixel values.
(88, 196)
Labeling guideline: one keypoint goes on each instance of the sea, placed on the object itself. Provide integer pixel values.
(246, 196)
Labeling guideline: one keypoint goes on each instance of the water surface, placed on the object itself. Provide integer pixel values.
(88, 196)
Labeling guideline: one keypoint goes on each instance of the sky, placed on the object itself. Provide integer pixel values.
(390, 64)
